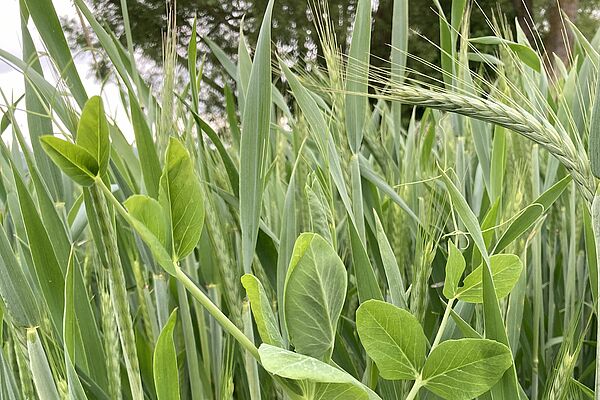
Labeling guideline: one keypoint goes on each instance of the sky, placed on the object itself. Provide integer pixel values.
(11, 81)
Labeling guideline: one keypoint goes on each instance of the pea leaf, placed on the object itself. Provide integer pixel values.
(506, 269)
(393, 338)
(262, 311)
(328, 382)
(466, 368)
(455, 266)
(72, 159)
(181, 197)
(149, 212)
(166, 378)
(92, 132)
(313, 296)
(146, 234)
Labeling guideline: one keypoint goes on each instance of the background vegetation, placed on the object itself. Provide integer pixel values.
(320, 246)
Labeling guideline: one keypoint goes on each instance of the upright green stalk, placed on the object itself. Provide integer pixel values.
(536, 251)
(118, 290)
(596, 226)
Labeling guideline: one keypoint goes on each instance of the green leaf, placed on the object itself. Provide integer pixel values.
(393, 338)
(181, 196)
(149, 212)
(255, 138)
(392, 272)
(150, 164)
(466, 368)
(314, 293)
(262, 311)
(287, 364)
(154, 244)
(398, 53)
(92, 132)
(525, 53)
(17, 295)
(531, 213)
(164, 363)
(72, 159)
(331, 383)
(357, 75)
(455, 266)
(506, 269)
(70, 332)
(594, 141)
(47, 269)
(366, 281)
(493, 321)
(40, 369)
(48, 25)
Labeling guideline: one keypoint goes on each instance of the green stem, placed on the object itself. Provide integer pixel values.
(217, 313)
(415, 389)
(596, 227)
(443, 324)
(117, 287)
(194, 290)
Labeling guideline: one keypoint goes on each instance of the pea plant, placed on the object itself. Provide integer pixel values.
(350, 232)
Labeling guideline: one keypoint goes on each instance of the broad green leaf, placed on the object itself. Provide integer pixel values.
(72, 159)
(393, 338)
(262, 311)
(181, 196)
(92, 132)
(314, 293)
(164, 363)
(466, 368)
(287, 364)
(330, 382)
(255, 138)
(336, 391)
(40, 369)
(149, 212)
(157, 248)
(455, 266)
(506, 269)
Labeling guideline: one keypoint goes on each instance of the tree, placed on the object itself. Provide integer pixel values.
(296, 37)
